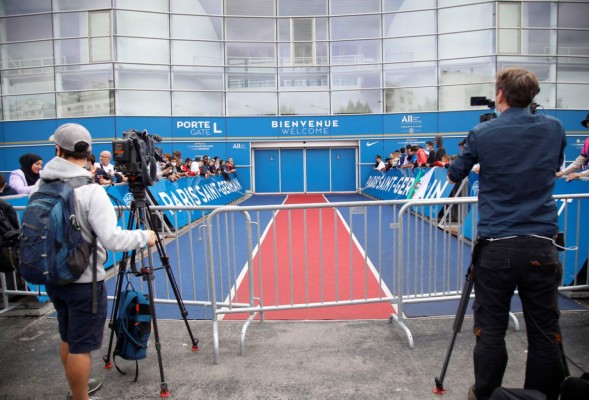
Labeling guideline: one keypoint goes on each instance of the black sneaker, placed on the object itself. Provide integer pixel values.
(471, 393)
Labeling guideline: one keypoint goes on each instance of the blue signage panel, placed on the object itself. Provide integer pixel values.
(411, 123)
(418, 183)
(195, 191)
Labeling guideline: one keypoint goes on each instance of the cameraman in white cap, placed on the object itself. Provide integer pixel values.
(81, 331)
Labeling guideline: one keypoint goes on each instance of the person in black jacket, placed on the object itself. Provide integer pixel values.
(5, 188)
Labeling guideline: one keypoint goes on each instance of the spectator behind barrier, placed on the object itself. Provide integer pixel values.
(22, 180)
(379, 165)
(5, 188)
(582, 160)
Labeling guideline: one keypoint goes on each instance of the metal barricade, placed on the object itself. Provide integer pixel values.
(253, 260)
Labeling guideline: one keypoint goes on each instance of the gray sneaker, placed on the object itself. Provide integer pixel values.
(93, 385)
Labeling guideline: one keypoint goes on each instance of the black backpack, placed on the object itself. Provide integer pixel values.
(9, 238)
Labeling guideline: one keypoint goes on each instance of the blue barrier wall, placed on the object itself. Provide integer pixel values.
(234, 136)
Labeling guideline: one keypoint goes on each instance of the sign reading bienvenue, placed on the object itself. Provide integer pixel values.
(304, 126)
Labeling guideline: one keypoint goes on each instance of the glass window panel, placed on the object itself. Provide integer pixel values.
(71, 51)
(142, 76)
(195, 27)
(354, 77)
(573, 70)
(320, 58)
(197, 53)
(207, 7)
(23, 55)
(356, 102)
(145, 51)
(289, 8)
(467, 44)
(509, 41)
(479, 16)
(467, 71)
(406, 5)
(398, 100)
(85, 104)
(73, 5)
(509, 15)
(68, 25)
(410, 49)
(34, 27)
(538, 41)
(315, 78)
(356, 27)
(410, 74)
(36, 106)
(547, 96)
(356, 52)
(543, 67)
(29, 80)
(410, 23)
(573, 43)
(151, 5)
(251, 104)
(197, 78)
(251, 78)
(84, 77)
(145, 103)
(144, 24)
(354, 6)
(197, 103)
(450, 3)
(100, 49)
(19, 7)
(458, 97)
(299, 103)
(539, 15)
(285, 27)
(257, 8)
(254, 29)
(99, 23)
(573, 96)
(251, 54)
(573, 15)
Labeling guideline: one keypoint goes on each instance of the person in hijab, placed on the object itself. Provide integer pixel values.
(22, 180)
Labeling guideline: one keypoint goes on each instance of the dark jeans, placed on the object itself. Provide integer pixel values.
(530, 264)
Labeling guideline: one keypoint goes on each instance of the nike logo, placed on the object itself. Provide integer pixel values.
(371, 144)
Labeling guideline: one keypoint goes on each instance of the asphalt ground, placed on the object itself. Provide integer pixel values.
(362, 359)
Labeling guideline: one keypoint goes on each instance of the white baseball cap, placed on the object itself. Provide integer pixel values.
(68, 135)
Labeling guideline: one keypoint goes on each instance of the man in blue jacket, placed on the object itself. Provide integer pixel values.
(516, 231)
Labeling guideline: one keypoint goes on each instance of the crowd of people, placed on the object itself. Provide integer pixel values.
(415, 156)
(172, 167)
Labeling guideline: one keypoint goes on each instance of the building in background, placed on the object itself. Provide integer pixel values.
(196, 71)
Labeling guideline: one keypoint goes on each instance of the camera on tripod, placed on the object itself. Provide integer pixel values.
(483, 101)
(136, 156)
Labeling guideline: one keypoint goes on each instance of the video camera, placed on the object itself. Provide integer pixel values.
(483, 101)
(136, 156)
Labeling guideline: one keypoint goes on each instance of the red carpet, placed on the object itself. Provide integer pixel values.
(316, 280)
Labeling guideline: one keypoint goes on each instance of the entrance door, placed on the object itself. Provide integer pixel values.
(343, 169)
(308, 170)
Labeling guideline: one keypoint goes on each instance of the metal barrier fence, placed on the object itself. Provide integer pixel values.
(246, 261)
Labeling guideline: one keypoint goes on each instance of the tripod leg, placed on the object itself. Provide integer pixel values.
(460, 312)
(166, 265)
(117, 294)
(148, 275)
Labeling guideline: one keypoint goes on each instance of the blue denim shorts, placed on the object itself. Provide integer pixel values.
(82, 330)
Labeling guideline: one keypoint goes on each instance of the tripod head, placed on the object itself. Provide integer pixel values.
(137, 189)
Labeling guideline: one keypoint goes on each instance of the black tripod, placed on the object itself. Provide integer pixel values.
(459, 319)
(140, 215)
